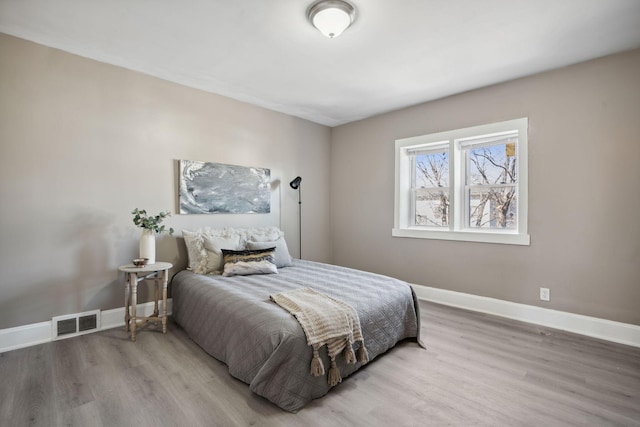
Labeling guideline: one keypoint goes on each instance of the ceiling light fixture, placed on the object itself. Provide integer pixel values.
(331, 17)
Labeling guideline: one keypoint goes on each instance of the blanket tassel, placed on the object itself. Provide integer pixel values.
(363, 354)
(334, 374)
(317, 368)
(349, 355)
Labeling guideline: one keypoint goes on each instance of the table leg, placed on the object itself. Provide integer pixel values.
(156, 286)
(134, 302)
(127, 293)
(165, 280)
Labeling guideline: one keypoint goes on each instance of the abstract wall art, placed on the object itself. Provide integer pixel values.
(215, 188)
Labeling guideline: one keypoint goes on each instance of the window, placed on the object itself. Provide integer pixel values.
(468, 184)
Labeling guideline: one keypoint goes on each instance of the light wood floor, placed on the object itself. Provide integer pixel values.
(478, 370)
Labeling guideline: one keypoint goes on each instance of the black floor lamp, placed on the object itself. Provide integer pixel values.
(295, 184)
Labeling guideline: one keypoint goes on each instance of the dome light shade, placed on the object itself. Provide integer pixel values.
(331, 17)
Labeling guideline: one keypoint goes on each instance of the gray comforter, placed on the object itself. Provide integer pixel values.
(233, 319)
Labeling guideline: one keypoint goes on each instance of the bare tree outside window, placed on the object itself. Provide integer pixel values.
(491, 186)
(432, 189)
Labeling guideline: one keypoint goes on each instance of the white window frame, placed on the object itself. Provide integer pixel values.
(404, 209)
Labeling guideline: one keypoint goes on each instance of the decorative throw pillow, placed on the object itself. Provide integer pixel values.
(245, 262)
(214, 245)
(282, 258)
(196, 254)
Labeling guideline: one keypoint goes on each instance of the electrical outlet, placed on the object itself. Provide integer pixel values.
(545, 295)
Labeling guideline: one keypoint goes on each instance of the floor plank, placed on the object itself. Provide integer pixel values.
(477, 370)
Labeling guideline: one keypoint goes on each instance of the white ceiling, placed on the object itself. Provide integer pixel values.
(397, 53)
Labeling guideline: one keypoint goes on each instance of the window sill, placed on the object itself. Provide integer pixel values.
(464, 236)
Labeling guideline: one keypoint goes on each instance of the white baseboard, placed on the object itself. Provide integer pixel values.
(25, 336)
(39, 333)
(623, 333)
(609, 330)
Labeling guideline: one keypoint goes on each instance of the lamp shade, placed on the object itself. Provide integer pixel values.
(295, 183)
(331, 17)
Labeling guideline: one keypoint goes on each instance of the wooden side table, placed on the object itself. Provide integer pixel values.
(159, 274)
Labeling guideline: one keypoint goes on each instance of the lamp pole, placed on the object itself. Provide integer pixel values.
(296, 185)
(300, 221)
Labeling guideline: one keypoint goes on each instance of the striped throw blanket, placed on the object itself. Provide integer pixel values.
(325, 321)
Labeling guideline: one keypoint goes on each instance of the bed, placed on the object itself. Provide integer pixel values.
(234, 320)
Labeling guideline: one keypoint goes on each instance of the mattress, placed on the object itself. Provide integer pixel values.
(233, 319)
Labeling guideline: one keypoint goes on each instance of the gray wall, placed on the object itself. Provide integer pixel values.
(584, 196)
(82, 143)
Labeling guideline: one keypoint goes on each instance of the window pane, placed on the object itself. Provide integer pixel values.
(432, 209)
(495, 164)
(493, 207)
(432, 169)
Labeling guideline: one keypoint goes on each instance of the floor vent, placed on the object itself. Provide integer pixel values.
(72, 325)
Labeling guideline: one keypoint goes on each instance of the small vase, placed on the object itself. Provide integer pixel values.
(148, 245)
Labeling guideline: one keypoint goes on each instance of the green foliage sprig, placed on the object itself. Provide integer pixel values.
(143, 220)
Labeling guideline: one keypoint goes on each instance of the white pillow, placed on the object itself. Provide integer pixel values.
(197, 256)
(204, 250)
(213, 246)
(267, 234)
(282, 258)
